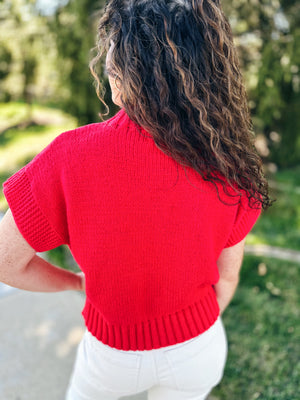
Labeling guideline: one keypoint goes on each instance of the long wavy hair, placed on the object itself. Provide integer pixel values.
(180, 80)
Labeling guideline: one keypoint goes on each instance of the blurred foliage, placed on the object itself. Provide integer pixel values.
(74, 30)
(267, 33)
(28, 54)
(44, 57)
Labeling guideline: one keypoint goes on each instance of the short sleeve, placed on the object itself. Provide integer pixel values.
(35, 195)
(245, 219)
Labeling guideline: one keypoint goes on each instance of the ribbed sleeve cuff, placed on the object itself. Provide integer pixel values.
(244, 227)
(28, 217)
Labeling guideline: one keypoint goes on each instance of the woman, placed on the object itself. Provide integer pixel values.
(154, 204)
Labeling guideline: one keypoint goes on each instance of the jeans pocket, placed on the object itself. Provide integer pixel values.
(110, 370)
(199, 364)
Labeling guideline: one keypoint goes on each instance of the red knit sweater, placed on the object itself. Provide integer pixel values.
(146, 231)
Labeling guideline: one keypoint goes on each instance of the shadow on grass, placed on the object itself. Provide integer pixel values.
(13, 133)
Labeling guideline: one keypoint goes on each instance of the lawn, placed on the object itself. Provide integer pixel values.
(263, 332)
(280, 224)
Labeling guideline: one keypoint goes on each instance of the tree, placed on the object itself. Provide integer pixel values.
(75, 32)
(24, 42)
(268, 38)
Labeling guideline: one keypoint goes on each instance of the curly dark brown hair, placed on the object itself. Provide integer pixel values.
(180, 80)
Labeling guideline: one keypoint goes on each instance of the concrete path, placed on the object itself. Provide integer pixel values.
(273, 252)
(39, 334)
(38, 338)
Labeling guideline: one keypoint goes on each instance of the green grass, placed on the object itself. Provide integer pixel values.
(290, 177)
(263, 333)
(12, 113)
(280, 224)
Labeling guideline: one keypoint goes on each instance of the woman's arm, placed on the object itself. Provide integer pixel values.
(229, 265)
(22, 268)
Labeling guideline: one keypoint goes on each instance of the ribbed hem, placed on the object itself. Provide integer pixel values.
(29, 219)
(156, 333)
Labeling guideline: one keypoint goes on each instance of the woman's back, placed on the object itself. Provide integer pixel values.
(146, 231)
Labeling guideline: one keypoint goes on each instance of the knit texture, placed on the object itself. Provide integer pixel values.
(145, 230)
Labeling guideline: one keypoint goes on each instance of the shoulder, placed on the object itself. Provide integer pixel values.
(94, 133)
(89, 145)
(82, 140)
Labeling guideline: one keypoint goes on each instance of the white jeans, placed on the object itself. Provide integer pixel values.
(184, 371)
